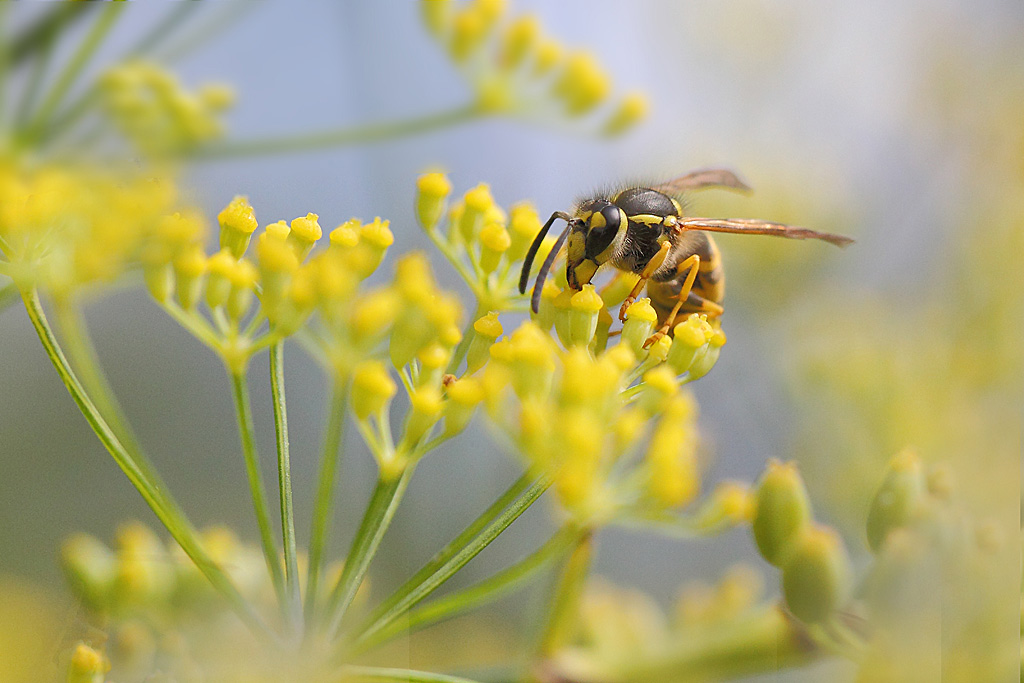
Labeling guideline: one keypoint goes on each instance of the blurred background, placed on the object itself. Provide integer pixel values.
(900, 124)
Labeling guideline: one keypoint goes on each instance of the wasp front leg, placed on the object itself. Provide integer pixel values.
(645, 275)
(693, 263)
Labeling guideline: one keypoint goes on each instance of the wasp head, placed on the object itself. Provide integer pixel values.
(591, 237)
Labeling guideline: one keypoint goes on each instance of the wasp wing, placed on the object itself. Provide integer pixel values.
(701, 179)
(753, 226)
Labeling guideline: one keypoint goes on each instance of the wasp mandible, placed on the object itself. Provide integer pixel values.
(642, 230)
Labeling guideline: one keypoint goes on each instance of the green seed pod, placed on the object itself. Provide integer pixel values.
(782, 513)
(816, 578)
(898, 498)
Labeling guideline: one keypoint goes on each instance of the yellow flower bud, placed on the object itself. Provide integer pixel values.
(87, 665)
(690, 342)
(659, 350)
(346, 235)
(237, 224)
(494, 242)
(431, 191)
(659, 385)
(305, 231)
(523, 226)
(372, 388)
(533, 361)
(217, 96)
(464, 395)
(243, 277)
(189, 268)
(374, 239)
(582, 83)
(218, 286)
(549, 54)
(783, 511)
(631, 110)
(520, 39)
(735, 502)
(433, 360)
(640, 320)
(486, 330)
(425, 407)
(372, 315)
(898, 499)
(628, 426)
(580, 316)
(702, 364)
(547, 311)
(816, 576)
(476, 203)
(672, 459)
(90, 568)
(618, 288)
(469, 29)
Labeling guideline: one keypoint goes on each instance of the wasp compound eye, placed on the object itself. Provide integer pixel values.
(604, 225)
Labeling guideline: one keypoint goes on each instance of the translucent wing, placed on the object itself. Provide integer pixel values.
(704, 178)
(753, 226)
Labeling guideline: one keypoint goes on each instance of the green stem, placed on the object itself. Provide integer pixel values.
(379, 512)
(470, 598)
(340, 137)
(75, 64)
(372, 674)
(153, 492)
(284, 478)
(324, 502)
(463, 348)
(564, 604)
(246, 432)
(454, 556)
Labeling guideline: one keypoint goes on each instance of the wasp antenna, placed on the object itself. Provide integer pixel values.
(524, 276)
(545, 268)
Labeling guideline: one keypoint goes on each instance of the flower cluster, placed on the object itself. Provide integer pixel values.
(577, 410)
(66, 227)
(514, 67)
(157, 113)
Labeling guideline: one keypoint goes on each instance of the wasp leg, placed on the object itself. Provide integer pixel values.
(645, 275)
(693, 263)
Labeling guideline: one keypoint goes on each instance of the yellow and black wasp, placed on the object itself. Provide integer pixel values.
(642, 230)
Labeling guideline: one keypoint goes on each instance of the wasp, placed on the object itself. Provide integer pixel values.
(643, 230)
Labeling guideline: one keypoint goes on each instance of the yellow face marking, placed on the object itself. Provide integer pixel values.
(597, 220)
(585, 272)
(576, 247)
(623, 226)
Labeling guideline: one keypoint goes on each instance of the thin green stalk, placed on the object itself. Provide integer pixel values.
(246, 432)
(75, 64)
(568, 590)
(470, 598)
(284, 479)
(324, 502)
(153, 492)
(339, 137)
(454, 556)
(372, 674)
(379, 512)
